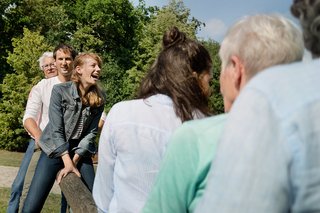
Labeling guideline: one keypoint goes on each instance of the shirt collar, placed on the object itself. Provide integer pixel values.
(159, 99)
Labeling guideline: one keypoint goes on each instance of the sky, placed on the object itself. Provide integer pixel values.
(219, 15)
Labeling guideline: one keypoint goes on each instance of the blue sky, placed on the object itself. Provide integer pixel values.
(220, 14)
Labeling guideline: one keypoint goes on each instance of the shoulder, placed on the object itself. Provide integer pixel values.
(284, 76)
(201, 126)
(50, 81)
(125, 105)
(123, 111)
(205, 131)
(41, 84)
(65, 86)
(284, 85)
(45, 85)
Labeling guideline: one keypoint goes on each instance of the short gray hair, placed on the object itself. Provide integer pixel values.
(44, 55)
(308, 12)
(261, 41)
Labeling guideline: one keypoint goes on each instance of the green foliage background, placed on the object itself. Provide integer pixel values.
(128, 39)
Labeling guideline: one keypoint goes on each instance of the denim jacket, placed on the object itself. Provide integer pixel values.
(64, 111)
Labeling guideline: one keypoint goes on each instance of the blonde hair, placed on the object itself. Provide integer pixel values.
(94, 97)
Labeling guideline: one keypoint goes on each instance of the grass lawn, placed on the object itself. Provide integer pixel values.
(10, 158)
(52, 204)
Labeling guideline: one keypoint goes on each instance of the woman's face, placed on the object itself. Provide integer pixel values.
(205, 78)
(89, 72)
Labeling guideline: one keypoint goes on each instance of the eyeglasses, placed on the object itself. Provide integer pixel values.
(47, 66)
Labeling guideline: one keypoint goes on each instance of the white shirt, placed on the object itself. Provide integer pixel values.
(39, 100)
(131, 147)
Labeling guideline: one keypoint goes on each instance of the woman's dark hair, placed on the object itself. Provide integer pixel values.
(308, 12)
(173, 74)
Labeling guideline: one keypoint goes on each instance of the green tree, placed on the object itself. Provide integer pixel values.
(128, 39)
(216, 100)
(49, 17)
(5, 39)
(16, 87)
(108, 27)
(174, 14)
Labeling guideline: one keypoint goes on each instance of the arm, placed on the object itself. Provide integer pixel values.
(250, 169)
(69, 167)
(53, 140)
(103, 184)
(33, 129)
(101, 121)
(32, 112)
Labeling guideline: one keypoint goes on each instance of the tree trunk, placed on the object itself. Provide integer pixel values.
(78, 196)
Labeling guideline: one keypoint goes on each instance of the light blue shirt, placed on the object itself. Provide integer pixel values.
(268, 159)
(131, 148)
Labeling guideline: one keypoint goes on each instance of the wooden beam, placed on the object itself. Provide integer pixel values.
(78, 196)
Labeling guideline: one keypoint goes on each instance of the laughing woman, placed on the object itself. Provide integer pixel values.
(68, 141)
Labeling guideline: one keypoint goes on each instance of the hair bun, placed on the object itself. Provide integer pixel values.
(173, 36)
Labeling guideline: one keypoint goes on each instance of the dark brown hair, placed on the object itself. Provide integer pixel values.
(94, 97)
(65, 48)
(308, 12)
(172, 74)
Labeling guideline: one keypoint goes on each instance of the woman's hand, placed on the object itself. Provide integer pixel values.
(76, 159)
(68, 168)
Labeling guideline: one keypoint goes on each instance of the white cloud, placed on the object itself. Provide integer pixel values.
(215, 29)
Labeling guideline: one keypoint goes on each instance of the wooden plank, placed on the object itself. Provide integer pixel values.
(77, 194)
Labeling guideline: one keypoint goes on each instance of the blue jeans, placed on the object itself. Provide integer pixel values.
(44, 178)
(17, 185)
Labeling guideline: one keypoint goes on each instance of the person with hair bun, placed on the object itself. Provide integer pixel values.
(185, 168)
(134, 138)
(68, 140)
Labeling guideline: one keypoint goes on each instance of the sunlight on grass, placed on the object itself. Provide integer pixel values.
(52, 204)
(10, 158)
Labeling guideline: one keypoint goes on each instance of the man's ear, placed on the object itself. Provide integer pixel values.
(239, 77)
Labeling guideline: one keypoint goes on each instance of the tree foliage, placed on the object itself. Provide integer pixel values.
(216, 100)
(109, 26)
(5, 39)
(174, 14)
(127, 38)
(16, 87)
